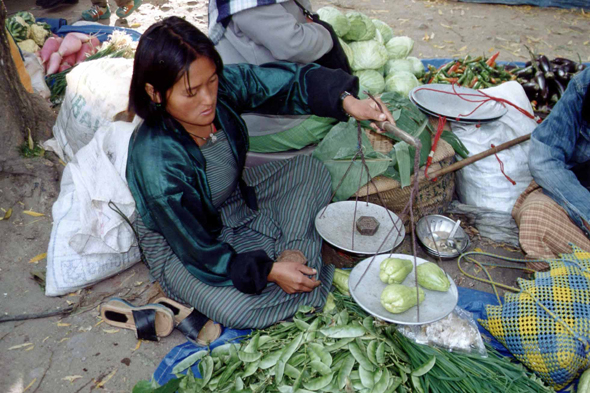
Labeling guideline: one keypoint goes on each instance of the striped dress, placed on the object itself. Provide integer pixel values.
(289, 194)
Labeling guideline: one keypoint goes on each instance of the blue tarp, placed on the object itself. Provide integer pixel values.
(61, 28)
(538, 3)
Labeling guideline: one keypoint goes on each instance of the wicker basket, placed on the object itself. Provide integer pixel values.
(434, 196)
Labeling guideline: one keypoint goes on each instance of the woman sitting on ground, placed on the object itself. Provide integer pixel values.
(238, 245)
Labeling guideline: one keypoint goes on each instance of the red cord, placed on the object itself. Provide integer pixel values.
(441, 124)
(485, 98)
(502, 167)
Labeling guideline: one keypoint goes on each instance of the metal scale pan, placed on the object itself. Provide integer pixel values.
(461, 120)
(452, 106)
(336, 224)
(436, 304)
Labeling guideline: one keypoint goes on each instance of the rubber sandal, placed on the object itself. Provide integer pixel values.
(126, 10)
(95, 13)
(197, 328)
(150, 322)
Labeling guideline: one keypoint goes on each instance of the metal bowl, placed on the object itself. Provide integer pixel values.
(441, 227)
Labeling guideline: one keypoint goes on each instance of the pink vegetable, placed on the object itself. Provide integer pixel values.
(70, 45)
(54, 63)
(94, 42)
(70, 59)
(50, 46)
(64, 66)
(83, 37)
(87, 50)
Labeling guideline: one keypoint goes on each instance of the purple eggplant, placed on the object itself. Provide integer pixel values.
(525, 72)
(562, 60)
(540, 79)
(531, 89)
(562, 75)
(543, 62)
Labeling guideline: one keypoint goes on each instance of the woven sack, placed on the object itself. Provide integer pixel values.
(546, 326)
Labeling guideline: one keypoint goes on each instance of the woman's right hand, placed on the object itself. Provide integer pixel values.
(292, 277)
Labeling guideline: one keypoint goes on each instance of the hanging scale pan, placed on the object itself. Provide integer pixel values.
(468, 105)
(367, 294)
(336, 223)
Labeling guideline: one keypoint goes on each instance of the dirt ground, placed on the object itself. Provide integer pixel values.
(77, 353)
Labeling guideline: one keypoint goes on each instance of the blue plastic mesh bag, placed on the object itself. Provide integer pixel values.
(547, 324)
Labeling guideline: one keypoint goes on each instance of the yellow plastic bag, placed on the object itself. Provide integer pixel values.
(20, 65)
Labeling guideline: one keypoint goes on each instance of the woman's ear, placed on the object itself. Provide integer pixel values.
(154, 95)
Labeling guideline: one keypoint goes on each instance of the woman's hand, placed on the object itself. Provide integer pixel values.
(367, 109)
(292, 277)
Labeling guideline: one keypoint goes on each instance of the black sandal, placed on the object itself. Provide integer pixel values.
(197, 328)
(150, 322)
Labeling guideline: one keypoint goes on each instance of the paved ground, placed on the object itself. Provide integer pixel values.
(78, 353)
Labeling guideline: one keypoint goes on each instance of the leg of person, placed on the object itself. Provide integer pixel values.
(225, 305)
(545, 229)
(99, 10)
(126, 7)
(289, 194)
(310, 132)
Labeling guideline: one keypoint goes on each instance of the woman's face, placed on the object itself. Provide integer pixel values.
(195, 107)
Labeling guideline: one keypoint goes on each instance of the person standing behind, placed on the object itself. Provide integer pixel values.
(246, 32)
(100, 9)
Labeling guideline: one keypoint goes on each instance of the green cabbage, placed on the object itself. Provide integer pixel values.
(368, 55)
(399, 47)
(384, 29)
(361, 27)
(378, 37)
(347, 50)
(417, 66)
(401, 82)
(371, 80)
(335, 18)
(393, 66)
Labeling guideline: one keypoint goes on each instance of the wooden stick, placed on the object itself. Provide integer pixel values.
(47, 314)
(470, 160)
(401, 134)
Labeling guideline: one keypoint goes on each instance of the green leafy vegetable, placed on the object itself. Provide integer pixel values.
(368, 55)
(385, 30)
(361, 27)
(401, 82)
(417, 66)
(396, 65)
(336, 152)
(371, 80)
(336, 19)
(399, 47)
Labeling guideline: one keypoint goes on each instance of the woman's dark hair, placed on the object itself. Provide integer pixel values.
(164, 55)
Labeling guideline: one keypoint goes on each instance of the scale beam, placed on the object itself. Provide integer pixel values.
(401, 134)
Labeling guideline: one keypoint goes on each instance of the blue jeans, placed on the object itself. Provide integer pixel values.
(560, 144)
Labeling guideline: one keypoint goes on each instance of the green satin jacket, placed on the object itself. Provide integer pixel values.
(166, 169)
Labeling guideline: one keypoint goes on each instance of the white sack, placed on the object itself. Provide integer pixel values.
(482, 184)
(97, 91)
(89, 241)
